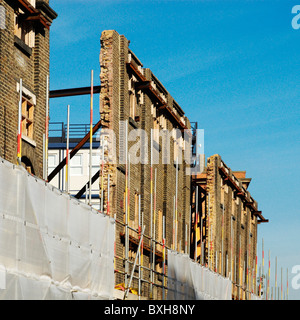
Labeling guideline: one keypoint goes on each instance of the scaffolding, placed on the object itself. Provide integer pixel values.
(144, 271)
(152, 248)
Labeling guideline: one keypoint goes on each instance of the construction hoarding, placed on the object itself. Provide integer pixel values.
(51, 245)
(188, 280)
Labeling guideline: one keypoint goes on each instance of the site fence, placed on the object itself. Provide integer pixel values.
(51, 245)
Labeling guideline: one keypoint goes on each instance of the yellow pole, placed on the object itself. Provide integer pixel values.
(269, 273)
(255, 273)
(19, 151)
(176, 206)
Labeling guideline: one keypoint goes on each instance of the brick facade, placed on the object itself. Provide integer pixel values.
(124, 79)
(31, 64)
(230, 218)
(131, 94)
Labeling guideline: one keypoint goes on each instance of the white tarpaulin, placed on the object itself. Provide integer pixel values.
(51, 245)
(188, 280)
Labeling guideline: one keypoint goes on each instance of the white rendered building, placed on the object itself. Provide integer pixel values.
(79, 164)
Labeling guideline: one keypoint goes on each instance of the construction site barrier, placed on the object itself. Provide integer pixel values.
(51, 245)
(188, 280)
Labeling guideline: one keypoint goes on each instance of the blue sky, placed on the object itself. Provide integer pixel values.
(233, 66)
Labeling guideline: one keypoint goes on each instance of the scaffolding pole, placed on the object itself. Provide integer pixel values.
(164, 255)
(244, 280)
(44, 156)
(208, 231)
(142, 247)
(139, 234)
(102, 175)
(91, 136)
(176, 206)
(260, 282)
(108, 194)
(151, 212)
(174, 227)
(46, 130)
(281, 288)
(19, 151)
(240, 261)
(68, 152)
(115, 247)
(236, 276)
(128, 208)
(126, 205)
(189, 226)
(226, 267)
(86, 189)
(211, 248)
(263, 265)
(140, 264)
(133, 268)
(201, 238)
(154, 225)
(231, 249)
(276, 278)
(196, 225)
(248, 261)
(222, 244)
(185, 239)
(253, 278)
(269, 274)
(255, 273)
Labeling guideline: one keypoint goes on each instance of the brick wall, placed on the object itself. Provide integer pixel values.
(32, 67)
(230, 219)
(114, 107)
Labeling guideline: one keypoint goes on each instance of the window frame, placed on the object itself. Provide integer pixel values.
(96, 166)
(27, 118)
(75, 166)
(50, 167)
(31, 98)
(24, 30)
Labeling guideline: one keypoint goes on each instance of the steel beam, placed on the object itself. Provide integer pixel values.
(73, 92)
(87, 185)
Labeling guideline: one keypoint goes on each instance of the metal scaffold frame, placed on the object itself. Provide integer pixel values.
(148, 242)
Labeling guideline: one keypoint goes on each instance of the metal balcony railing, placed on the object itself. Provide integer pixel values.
(58, 131)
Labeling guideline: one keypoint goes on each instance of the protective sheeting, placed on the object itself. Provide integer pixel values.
(51, 245)
(188, 280)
